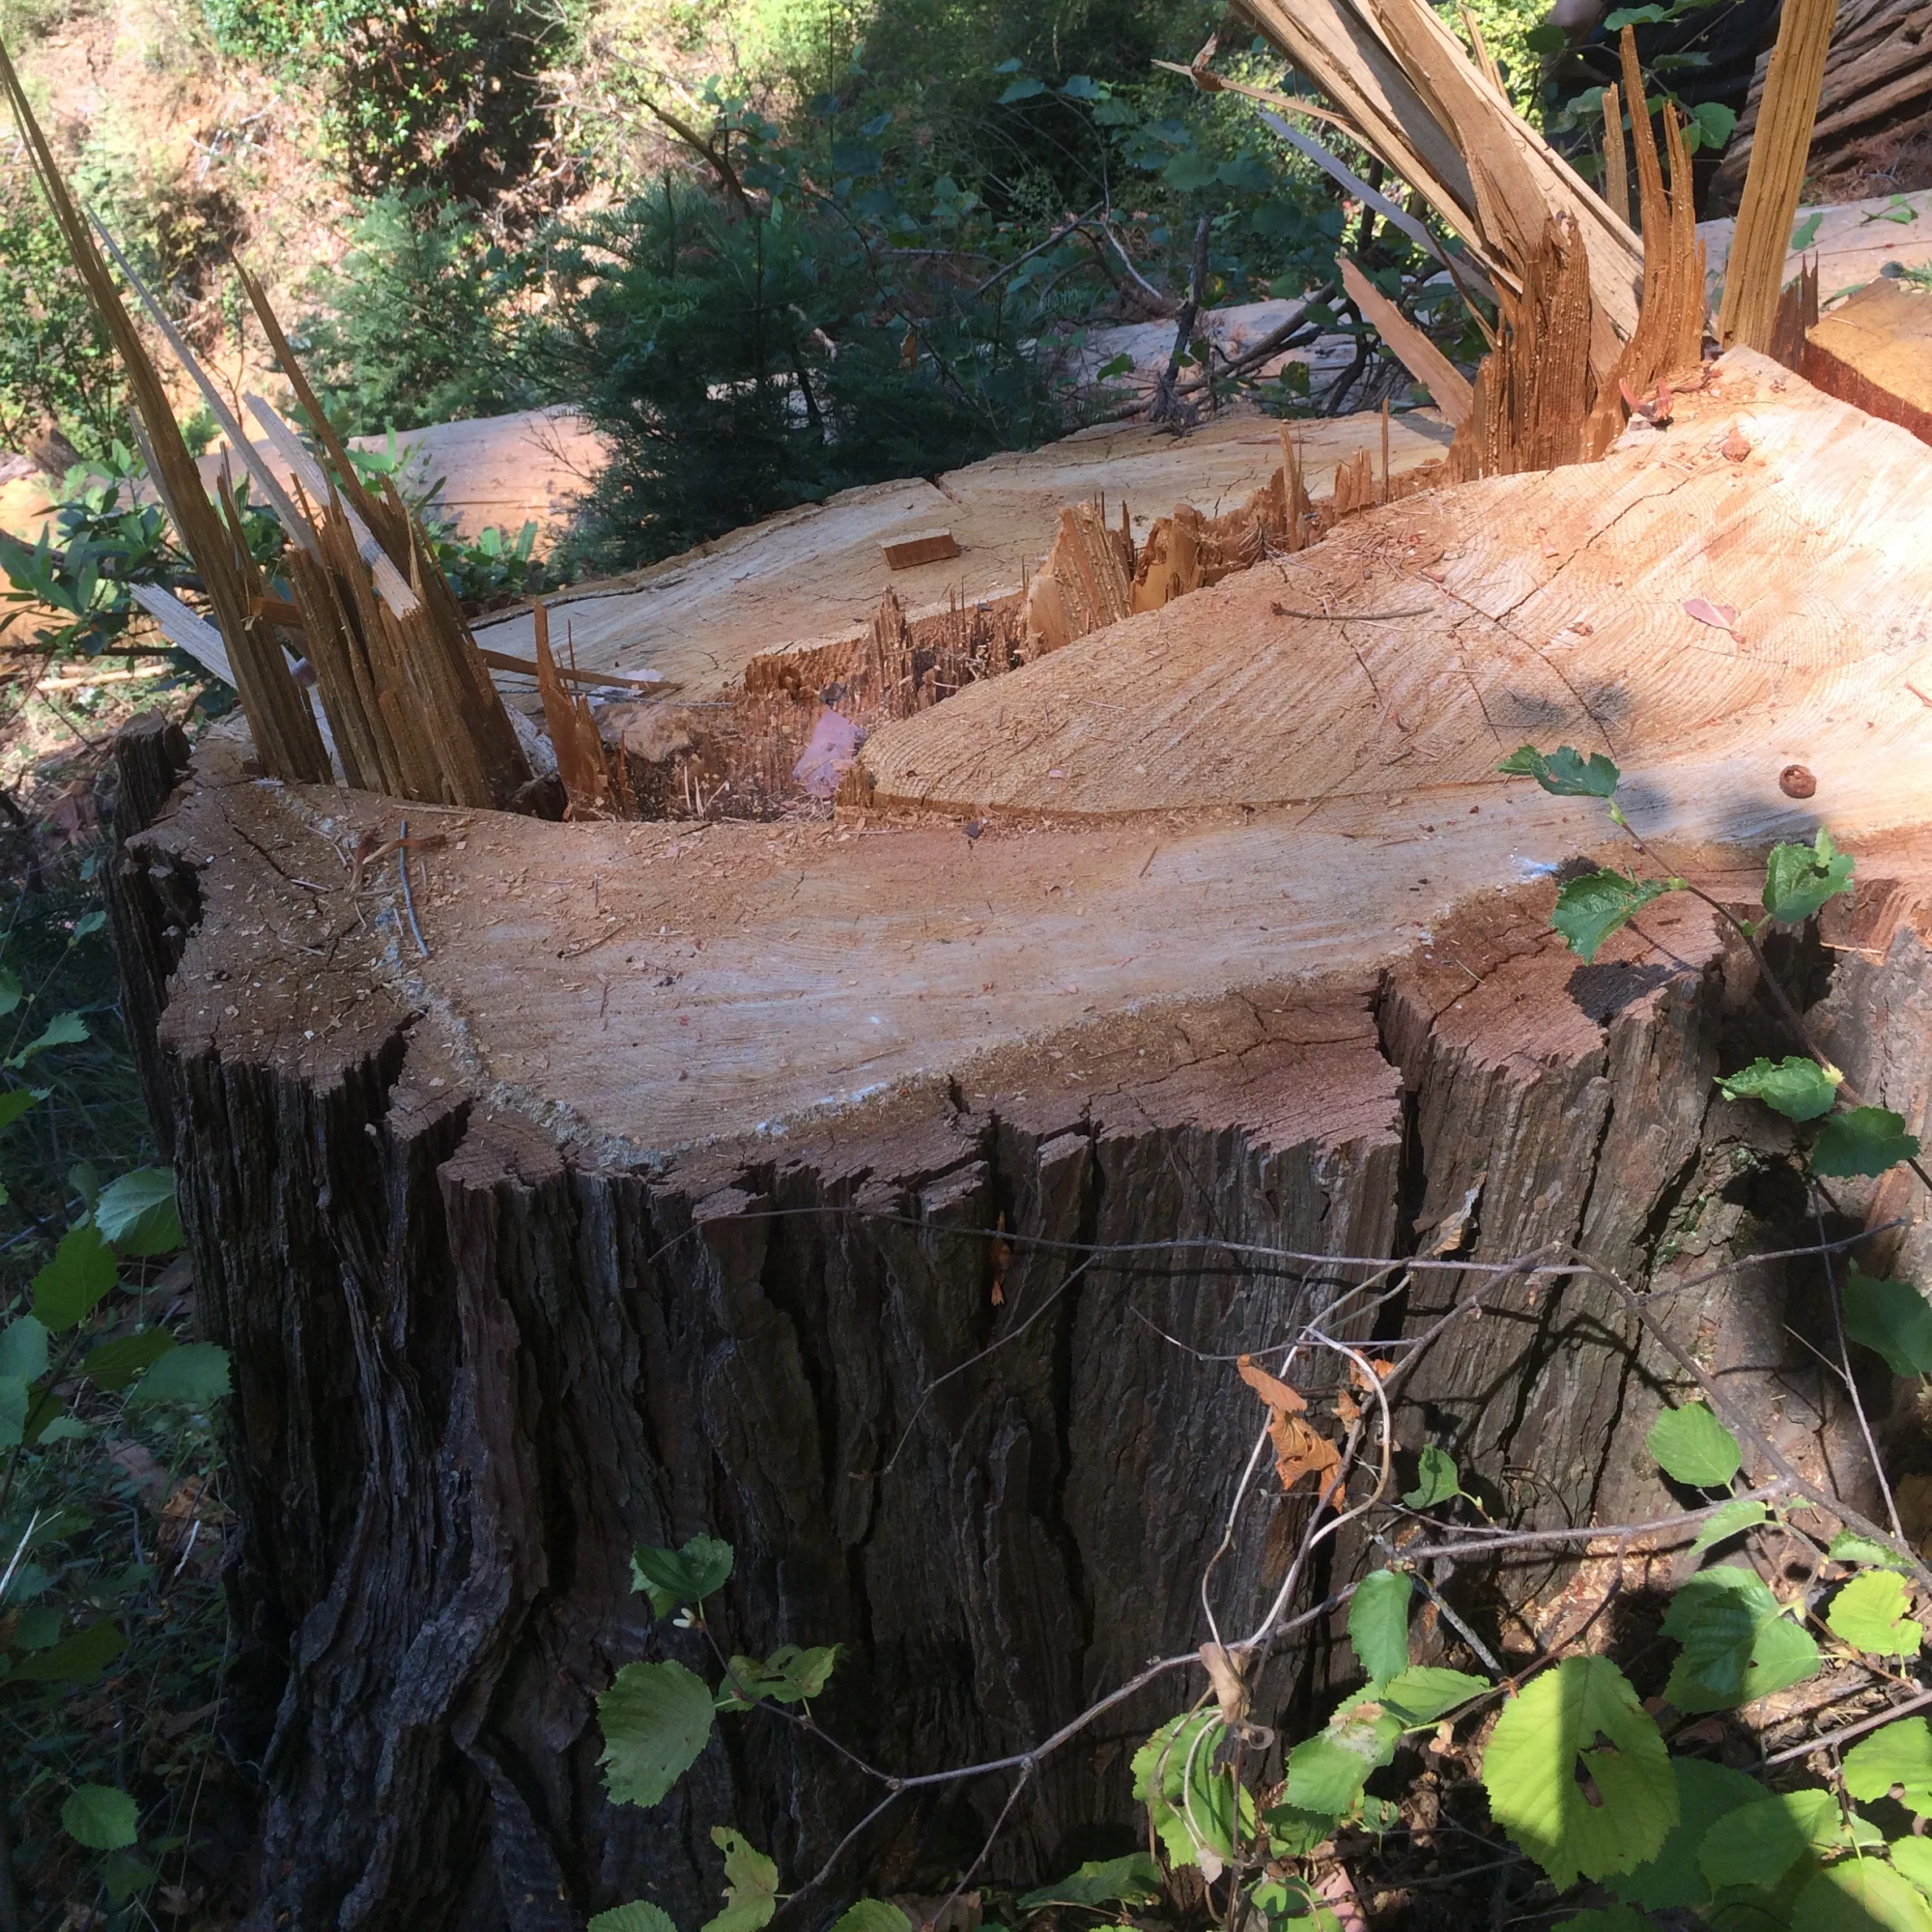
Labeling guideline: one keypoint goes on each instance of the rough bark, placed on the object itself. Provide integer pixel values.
(476, 1359)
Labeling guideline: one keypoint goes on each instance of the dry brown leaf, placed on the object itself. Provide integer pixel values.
(1231, 1691)
(1299, 1451)
(1271, 1389)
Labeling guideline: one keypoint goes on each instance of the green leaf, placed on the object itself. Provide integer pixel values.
(1892, 1319)
(856, 157)
(1294, 1834)
(40, 1627)
(1326, 1772)
(1378, 1625)
(1435, 1479)
(101, 1817)
(1860, 1895)
(1715, 122)
(80, 1658)
(1863, 1140)
(194, 1373)
(1547, 1735)
(82, 1270)
(636, 1916)
(10, 992)
(788, 1676)
(751, 1885)
(63, 1030)
(23, 1348)
(1899, 1754)
(1798, 879)
(13, 1404)
(675, 1578)
(1741, 1513)
(137, 1212)
(1798, 1089)
(1115, 366)
(113, 1365)
(1737, 1642)
(1705, 1793)
(1914, 1857)
(1589, 909)
(874, 1914)
(1846, 1547)
(1756, 1844)
(1607, 1919)
(1200, 1830)
(15, 1100)
(1190, 170)
(1022, 90)
(1694, 1447)
(124, 1875)
(1132, 1880)
(1421, 1693)
(656, 1719)
(1870, 1613)
(1806, 233)
(1565, 771)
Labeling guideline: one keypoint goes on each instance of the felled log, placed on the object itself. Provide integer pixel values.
(811, 577)
(684, 1177)
(1878, 73)
(1876, 351)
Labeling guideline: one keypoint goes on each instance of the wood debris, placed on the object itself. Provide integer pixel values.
(1616, 159)
(908, 552)
(1540, 401)
(573, 733)
(1400, 81)
(1087, 581)
(1754, 276)
(411, 707)
(1447, 385)
(286, 739)
(1797, 317)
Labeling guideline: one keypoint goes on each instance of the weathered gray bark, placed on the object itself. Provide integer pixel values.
(473, 1367)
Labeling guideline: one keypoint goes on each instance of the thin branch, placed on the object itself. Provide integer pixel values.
(1838, 1737)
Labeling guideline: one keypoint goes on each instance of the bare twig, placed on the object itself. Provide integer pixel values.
(1849, 1380)
(1165, 406)
(1838, 1737)
(408, 902)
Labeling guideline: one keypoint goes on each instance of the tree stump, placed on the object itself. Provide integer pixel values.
(891, 1195)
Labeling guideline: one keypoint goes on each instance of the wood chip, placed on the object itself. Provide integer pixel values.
(908, 552)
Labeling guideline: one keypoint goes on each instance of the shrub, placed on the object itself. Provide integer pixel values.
(56, 365)
(413, 325)
(745, 358)
(444, 93)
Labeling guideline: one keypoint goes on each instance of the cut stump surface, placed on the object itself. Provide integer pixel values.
(687, 1176)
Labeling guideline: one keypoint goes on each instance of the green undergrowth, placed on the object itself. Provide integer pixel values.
(111, 1618)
